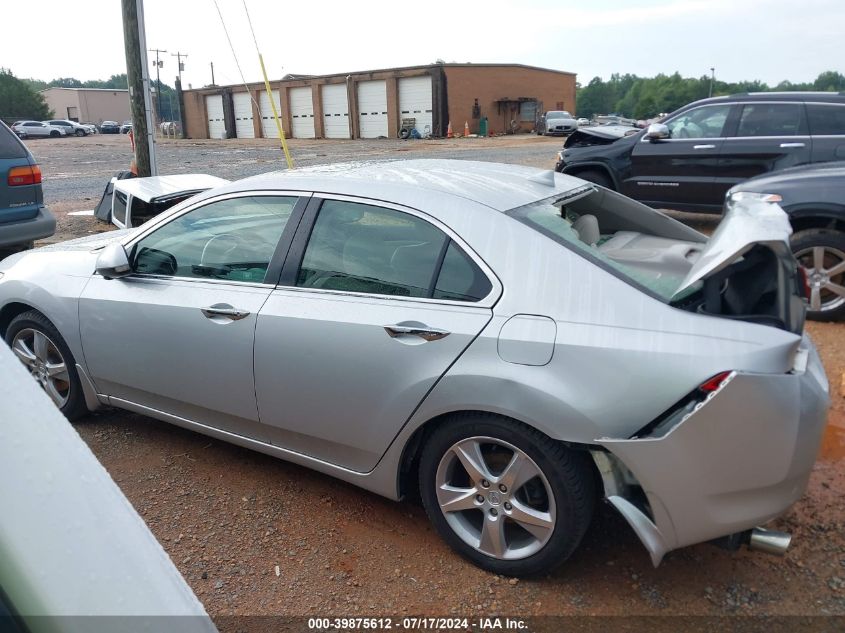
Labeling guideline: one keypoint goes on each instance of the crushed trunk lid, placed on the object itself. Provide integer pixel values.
(747, 270)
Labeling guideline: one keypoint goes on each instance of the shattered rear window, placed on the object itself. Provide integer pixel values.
(546, 217)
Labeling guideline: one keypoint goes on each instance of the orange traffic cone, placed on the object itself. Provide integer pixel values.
(449, 131)
(466, 128)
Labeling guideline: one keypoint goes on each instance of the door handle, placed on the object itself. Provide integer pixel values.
(704, 147)
(428, 334)
(788, 145)
(224, 310)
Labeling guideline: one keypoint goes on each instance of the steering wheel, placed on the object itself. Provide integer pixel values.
(234, 240)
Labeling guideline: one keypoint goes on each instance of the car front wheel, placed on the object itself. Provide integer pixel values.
(39, 346)
(505, 496)
(822, 254)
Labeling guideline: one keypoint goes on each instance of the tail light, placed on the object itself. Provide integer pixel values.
(803, 282)
(27, 175)
(711, 385)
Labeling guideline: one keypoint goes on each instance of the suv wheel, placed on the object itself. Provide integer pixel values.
(38, 345)
(822, 253)
(595, 176)
(505, 496)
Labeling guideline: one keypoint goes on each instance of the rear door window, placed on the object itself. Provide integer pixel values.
(10, 146)
(826, 120)
(362, 248)
(771, 119)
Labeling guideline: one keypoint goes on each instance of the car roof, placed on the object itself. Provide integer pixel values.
(147, 189)
(821, 97)
(425, 184)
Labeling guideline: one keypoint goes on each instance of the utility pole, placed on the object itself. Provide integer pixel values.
(180, 66)
(212, 74)
(159, 65)
(712, 79)
(138, 78)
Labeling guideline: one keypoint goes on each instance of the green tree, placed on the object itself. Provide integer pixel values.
(19, 101)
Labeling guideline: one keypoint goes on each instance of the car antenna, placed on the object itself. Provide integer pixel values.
(546, 177)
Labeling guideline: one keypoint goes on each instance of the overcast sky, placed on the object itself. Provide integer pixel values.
(769, 40)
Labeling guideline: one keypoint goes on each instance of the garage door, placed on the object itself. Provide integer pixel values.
(243, 115)
(216, 123)
(302, 112)
(268, 123)
(415, 102)
(372, 109)
(335, 111)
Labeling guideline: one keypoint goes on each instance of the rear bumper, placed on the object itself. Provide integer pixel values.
(743, 457)
(41, 226)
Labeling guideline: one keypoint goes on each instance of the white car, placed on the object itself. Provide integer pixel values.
(130, 202)
(582, 122)
(71, 128)
(559, 122)
(37, 128)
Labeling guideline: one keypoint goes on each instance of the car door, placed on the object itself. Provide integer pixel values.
(34, 128)
(375, 304)
(177, 334)
(827, 128)
(680, 170)
(768, 136)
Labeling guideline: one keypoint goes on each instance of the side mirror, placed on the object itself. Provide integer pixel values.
(657, 132)
(113, 262)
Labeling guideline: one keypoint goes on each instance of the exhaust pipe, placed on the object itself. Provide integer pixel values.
(769, 541)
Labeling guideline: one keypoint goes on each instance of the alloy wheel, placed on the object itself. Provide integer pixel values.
(495, 498)
(45, 362)
(825, 268)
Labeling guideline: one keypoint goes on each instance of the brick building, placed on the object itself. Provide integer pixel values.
(379, 103)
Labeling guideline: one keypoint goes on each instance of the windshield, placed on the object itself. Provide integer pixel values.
(551, 218)
(558, 115)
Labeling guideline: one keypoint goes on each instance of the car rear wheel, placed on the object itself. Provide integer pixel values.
(80, 132)
(595, 176)
(55, 133)
(505, 496)
(42, 350)
(822, 254)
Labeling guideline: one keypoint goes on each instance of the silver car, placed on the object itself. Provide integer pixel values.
(519, 344)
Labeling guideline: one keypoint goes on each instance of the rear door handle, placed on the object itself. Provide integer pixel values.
(704, 147)
(788, 145)
(428, 334)
(224, 310)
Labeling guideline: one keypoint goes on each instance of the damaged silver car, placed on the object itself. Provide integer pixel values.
(518, 344)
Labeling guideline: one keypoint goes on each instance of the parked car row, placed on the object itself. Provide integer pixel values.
(53, 127)
(711, 151)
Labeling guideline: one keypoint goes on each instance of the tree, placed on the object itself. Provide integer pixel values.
(19, 101)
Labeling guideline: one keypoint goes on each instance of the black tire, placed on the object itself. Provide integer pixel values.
(80, 132)
(569, 474)
(55, 133)
(595, 176)
(833, 241)
(75, 406)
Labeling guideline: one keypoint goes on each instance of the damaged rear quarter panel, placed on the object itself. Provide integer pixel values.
(739, 460)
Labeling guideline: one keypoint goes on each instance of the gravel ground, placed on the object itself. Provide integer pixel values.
(257, 536)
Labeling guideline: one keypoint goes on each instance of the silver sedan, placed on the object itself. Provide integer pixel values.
(519, 344)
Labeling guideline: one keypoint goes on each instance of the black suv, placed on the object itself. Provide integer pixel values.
(692, 157)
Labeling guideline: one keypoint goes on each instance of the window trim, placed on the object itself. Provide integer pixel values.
(293, 262)
(279, 254)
